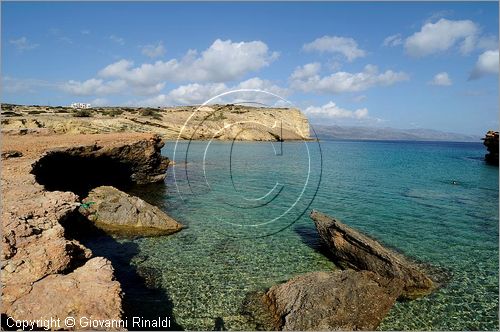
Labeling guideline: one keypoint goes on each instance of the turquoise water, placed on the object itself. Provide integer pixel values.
(246, 212)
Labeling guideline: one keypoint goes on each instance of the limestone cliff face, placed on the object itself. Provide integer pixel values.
(44, 273)
(222, 122)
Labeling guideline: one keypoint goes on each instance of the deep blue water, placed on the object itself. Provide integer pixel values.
(246, 210)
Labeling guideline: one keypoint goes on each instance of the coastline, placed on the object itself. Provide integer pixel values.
(45, 271)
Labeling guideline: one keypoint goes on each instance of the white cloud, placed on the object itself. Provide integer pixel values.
(153, 50)
(25, 85)
(333, 111)
(344, 81)
(116, 39)
(23, 44)
(85, 32)
(393, 40)
(306, 71)
(333, 44)
(222, 61)
(487, 63)
(441, 79)
(441, 36)
(93, 87)
(196, 93)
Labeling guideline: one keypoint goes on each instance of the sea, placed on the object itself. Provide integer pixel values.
(246, 206)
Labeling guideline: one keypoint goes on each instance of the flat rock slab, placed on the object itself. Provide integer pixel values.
(115, 211)
(352, 249)
(337, 300)
(88, 291)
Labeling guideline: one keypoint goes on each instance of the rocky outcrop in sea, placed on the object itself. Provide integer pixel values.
(117, 212)
(357, 297)
(354, 250)
(490, 140)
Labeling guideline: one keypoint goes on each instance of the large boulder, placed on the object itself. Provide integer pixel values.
(337, 300)
(352, 249)
(113, 210)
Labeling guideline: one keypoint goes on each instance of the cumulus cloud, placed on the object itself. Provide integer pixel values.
(93, 87)
(310, 80)
(222, 61)
(487, 63)
(333, 111)
(23, 44)
(393, 40)
(441, 36)
(196, 93)
(153, 50)
(333, 44)
(441, 79)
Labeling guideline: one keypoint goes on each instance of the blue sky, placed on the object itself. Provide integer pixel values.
(402, 65)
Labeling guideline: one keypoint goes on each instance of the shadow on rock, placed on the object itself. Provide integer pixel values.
(143, 296)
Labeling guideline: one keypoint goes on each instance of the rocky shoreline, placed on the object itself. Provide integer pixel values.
(45, 273)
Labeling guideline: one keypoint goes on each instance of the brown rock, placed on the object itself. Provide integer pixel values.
(337, 300)
(43, 271)
(89, 291)
(114, 210)
(351, 249)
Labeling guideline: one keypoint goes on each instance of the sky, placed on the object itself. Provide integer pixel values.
(388, 64)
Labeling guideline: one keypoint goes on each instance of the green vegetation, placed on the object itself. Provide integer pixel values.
(82, 114)
(9, 113)
(216, 116)
(37, 112)
(111, 112)
(151, 113)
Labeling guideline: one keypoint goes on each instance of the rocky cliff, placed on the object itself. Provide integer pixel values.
(44, 273)
(223, 122)
(490, 140)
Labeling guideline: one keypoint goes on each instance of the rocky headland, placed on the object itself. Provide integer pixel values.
(490, 140)
(221, 122)
(45, 272)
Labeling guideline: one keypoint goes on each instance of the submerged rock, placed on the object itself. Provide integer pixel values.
(116, 211)
(337, 300)
(351, 249)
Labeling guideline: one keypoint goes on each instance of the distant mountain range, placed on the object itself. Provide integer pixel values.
(376, 133)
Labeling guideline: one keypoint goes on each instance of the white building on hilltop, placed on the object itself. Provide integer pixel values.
(80, 105)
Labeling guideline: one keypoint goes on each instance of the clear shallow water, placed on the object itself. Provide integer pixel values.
(402, 193)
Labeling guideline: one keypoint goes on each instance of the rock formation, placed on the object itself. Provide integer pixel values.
(115, 211)
(43, 271)
(351, 249)
(337, 300)
(220, 122)
(491, 143)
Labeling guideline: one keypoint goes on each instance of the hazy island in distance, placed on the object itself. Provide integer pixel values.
(387, 133)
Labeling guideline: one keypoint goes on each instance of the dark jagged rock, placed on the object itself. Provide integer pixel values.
(115, 211)
(337, 300)
(81, 168)
(491, 142)
(11, 154)
(351, 249)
